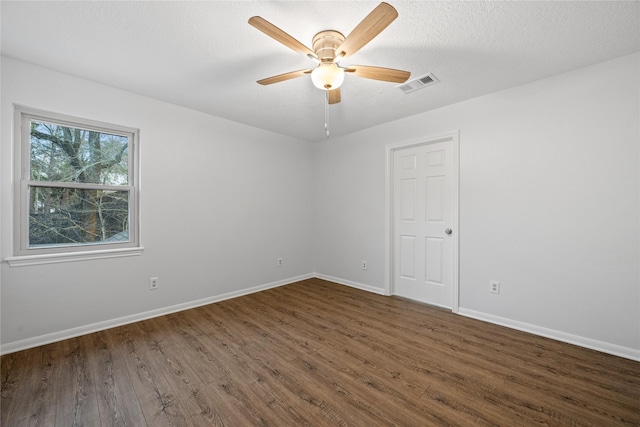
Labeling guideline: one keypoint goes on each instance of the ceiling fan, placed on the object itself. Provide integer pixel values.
(330, 47)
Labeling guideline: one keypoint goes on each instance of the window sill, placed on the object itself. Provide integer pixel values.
(26, 260)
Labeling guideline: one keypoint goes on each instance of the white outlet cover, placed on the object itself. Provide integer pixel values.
(494, 287)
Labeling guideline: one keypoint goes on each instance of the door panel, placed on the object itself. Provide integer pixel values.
(434, 260)
(409, 162)
(434, 194)
(408, 199)
(423, 257)
(407, 257)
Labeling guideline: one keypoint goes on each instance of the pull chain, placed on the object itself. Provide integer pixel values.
(326, 115)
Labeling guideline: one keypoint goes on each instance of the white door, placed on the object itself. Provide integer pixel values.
(423, 223)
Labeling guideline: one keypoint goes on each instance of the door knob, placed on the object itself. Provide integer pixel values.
(448, 231)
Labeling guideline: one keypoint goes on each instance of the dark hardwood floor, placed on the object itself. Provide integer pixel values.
(319, 354)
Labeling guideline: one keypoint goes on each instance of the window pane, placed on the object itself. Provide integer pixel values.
(60, 153)
(69, 216)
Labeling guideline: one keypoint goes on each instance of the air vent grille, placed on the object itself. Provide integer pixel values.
(419, 83)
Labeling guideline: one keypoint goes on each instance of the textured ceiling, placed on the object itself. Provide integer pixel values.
(204, 55)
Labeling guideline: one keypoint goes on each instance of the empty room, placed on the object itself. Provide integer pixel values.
(320, 213)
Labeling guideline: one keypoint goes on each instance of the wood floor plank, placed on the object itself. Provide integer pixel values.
(75, 385)
(198, 384)
(377, 378)
(450, 370)
(315, 353)
(45, 373)
(32, 370)
(562, 395)
(287, 369)
(280, 335)
(257, 370)
(155, 396)
(117, 402)
(15, 371)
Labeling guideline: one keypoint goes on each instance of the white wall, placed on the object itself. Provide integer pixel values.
(220, 202)
(549, 204)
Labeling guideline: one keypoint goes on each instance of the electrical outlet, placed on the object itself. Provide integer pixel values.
(494, 286)
(364, 265)
(279, 262)
(153, 283)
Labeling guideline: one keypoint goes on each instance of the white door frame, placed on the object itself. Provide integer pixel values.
(388, 200)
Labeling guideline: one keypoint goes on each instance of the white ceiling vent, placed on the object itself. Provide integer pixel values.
(419, 83)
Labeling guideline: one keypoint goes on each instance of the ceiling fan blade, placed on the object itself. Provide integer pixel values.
(379, 73)
(276, 33)
(367, 29)
(282, 77)
(333, 96)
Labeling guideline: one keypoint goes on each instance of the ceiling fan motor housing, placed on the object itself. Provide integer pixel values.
(325, 44)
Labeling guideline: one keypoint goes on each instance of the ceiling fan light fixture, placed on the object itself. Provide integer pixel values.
(327, 76)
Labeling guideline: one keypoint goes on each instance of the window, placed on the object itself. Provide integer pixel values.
(77, 186)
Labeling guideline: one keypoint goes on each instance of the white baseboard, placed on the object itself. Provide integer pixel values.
(628, 353)
(350, 283)
(604, 347)
(108, 324)
(616, 350)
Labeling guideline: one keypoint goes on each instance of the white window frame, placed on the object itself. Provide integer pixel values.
(23, 254)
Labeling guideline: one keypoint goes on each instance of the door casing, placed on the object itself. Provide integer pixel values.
(389, 219)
